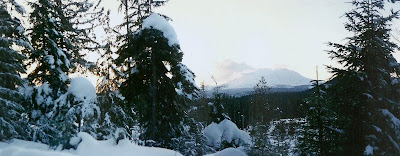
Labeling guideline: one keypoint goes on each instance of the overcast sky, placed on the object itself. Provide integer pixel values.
(224, 37)
(227, 38)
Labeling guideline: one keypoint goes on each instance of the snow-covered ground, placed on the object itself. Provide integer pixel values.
(228, 152)
(283, 135)
(87, 147)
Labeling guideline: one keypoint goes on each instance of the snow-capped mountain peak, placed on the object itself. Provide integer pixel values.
(274, 77)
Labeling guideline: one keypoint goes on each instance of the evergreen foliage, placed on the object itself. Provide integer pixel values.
(260, 115)
(136, 11)
(115, 121)
(217, 113)
(194, 142)
(157, 84)
(57, 41)
(199, 108)
(321, 135)
(147, 94)
(13, 46)
(364, 92)
(260, 112)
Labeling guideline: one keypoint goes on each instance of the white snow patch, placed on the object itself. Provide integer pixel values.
(134, 70)
(395, 81)
(23, 148)
(82, 89)
(178, 90)
(84, 93)
(187, 74)
(160, 23)
(88, 146)
(51, 20)
(369, 96)
(377, 129)
(50, 60)
(227, 131)
(55, 32)
(280, 78)
(20, 29)
(42, 94)
(63, 77)
(26, 90)
(18, 7)
(369, 150)
(228, 152)
(393, 118)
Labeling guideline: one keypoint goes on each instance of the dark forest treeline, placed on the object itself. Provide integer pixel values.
(285, 105)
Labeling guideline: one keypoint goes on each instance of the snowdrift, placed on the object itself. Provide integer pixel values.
(82, 89)
(227, 131)
(229, 152)
(88, 146)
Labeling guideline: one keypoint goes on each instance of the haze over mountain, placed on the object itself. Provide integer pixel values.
(275, 78)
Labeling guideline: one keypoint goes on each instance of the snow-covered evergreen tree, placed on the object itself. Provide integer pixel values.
(364, 92)
(114, 117)
(13, 120)
(58, 38)
(52, 48)
(260, 115)
(216, 113)
(53, 56)
(320, 135)
(83, 100)
(136, 11)
(57, 41)
(121, 112)
(195, 143)
(259, 111)
(156, 81)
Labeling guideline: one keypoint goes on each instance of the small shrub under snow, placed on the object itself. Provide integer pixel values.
(225, 132)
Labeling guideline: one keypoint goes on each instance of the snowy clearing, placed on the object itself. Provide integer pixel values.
(228, 152)
(88, 146)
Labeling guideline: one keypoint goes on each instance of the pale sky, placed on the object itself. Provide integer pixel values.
(224, 37)
(227, 38)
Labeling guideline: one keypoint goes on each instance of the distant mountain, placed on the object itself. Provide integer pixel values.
(277, 78)
(247, 91)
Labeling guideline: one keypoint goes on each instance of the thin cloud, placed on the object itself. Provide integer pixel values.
(228, 70)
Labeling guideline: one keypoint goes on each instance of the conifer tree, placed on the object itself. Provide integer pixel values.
(135, 11)
(260, 113)
(321, 135)
(217, 109)
(364, 92)
(114, 121)
(260, 110)
(199, 109)
(156, 83)
(57, 40)
(13, 119)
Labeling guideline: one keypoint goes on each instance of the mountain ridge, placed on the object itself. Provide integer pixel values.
(275, 78)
